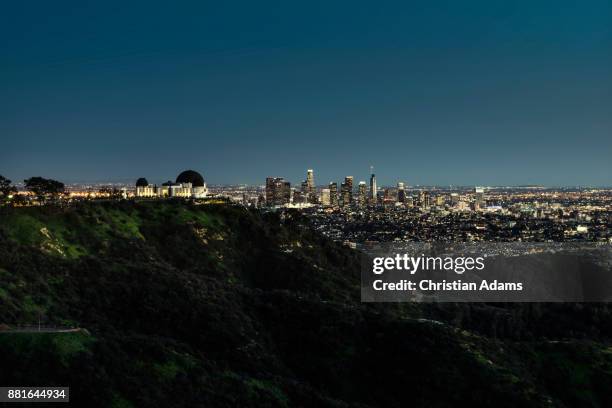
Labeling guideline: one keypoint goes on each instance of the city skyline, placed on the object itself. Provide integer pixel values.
(296, 183)
(434, 94)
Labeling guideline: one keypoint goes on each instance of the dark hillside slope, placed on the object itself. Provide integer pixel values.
(214, 305)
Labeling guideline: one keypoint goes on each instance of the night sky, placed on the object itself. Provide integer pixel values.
(429, 92)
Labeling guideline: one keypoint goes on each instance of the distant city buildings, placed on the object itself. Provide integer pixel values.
(399, 213)
(459, 213)
(278, 192)
(520, 215)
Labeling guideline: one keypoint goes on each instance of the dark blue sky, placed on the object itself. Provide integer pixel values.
(430, 92)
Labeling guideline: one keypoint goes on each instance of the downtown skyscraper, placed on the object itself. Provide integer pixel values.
(309, 190)
(362, 195)
(325, 197)
(401, 192)
(333, 194)
(373, 189)
(310, 179)
(278, 191)
(346, 191)
(479, 198)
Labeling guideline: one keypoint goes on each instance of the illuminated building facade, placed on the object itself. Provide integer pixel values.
(188, 184)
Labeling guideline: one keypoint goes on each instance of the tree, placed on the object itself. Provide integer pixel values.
(6, 188)
(43, 188)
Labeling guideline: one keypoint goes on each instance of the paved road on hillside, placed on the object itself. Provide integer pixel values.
(42, 329)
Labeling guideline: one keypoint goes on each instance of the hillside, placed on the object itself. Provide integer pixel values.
(215, 305)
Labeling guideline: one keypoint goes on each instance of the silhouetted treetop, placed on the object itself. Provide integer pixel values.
(44, 188)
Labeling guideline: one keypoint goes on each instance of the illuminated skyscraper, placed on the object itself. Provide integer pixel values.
(304, 195)
(346, 191)
(309, 190)
(479, 197)
(401, 193)
(270, 186)
(325, 197)
(278, 191)
(285, 192)
(310, 179)
(333, 194)
(362, 195)
(373, 189)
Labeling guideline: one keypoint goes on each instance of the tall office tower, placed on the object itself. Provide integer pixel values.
(310, 179)
(401, 193)
(312, 197)
(278, 191)
(325, 197)
(349, 182)
(424, 199)
(308, 187)
(362, 195)
(333, 194)
(343, 196)
(304, 195)
(270, 185)
(479, 197)
(285, 192)
(373, 189)
(440, 201)
(346, 191)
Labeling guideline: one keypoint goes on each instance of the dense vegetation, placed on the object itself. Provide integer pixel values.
(214, 305)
